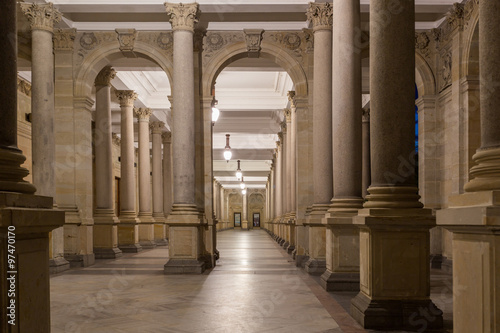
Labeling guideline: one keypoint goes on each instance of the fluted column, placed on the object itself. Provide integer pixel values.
(146, 226)
(320, 14)
(366, 178)
(394, 229)
(342, 236)
(474, 217)
(185, 252)
(168, 179)
(244, 215)
(128, 229)
(105, 221)
(42, 18)
(29, 217)
(157, 180)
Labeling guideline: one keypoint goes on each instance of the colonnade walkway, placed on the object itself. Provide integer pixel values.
(255, 287)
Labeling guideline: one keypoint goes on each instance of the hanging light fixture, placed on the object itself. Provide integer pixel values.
(227, 150)
(242, 184)
(238, 172)
(244, 191)
(215, 111)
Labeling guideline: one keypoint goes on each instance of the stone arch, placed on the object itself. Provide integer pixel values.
(238, 50)
(424, 77)
(105, 54)
(470, 56)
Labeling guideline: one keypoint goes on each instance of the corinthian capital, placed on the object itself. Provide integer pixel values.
(182, 16)
(126, 97)
(321, 15)
(105, 76)
(143, 113)
(41, 16)
(156, 127)
(167, 137)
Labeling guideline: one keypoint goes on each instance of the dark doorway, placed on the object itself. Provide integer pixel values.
(256, 220)
(237, 220)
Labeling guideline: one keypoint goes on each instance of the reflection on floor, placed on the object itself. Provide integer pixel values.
(255, 287)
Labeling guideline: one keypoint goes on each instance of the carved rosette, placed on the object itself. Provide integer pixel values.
(167, 137)
(126, 38)
(182, 16)
(105, 76)
(143, 114)
(126, 97)
(321, 15)
(366, 115)
(156, 127)
(41, 16)
(24, 87)
(116, 139)
(253, 38)
(64, 39)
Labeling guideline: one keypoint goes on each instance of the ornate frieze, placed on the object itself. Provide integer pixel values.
(422, 42)
(182, 16)
(309, 37)
(320, 15)
(156, 127)
(64, 39)
(126, 97)
(143, 113)
(446, 70)
(24, 87)
(88, 41)
(126, 38)
(217, 40)
(455, 15)
(253, 38)
(105, 76)
(41, 16)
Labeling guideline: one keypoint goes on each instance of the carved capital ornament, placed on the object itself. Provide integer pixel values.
(320, 15)
(182, 16)
(41, 16)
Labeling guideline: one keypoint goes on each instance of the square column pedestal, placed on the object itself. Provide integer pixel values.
(128, 233)
(25, 223)
(316, 264)
(106, 235)
(395, 271)
(474, 219)
(185, 243)
(342, 254)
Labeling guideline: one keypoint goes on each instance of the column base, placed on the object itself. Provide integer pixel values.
(339, 281)
(80, 260)
(131, 248)
(290, 249)
(436, 261)
(408, 315)
(107, 253)
(285, 245)
(184, 266)
(58, 265)
(447, 265)
(161, 242)
(149, 244)
(315, 266)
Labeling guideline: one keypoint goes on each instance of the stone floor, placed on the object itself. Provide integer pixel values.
(255, 287)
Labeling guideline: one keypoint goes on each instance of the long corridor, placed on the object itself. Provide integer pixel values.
(254, 288)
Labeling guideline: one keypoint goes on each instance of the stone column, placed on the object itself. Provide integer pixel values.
(28, 218)
(146, 226)
(366, 178)
(185, 251)
(128, 228)
(157, 180)
(105, 221)
(474, 217)
(293, 170)
(279, 188)
(244, 215)
(284, 181)
(222, 208)
(342, 237)
(168, 179)
(42, 18)
(394, 234)
(320, 14)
